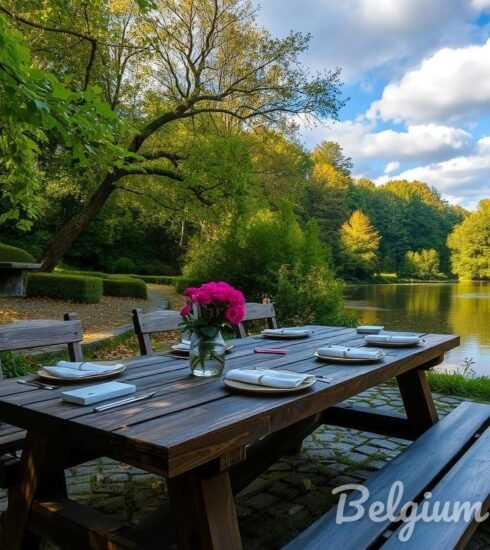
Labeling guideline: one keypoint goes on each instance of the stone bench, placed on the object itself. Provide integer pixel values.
(12, 277)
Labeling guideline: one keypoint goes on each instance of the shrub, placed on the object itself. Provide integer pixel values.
(310, 296)
(14, 364)
(158, 279)
(147, 269)
(165, 269)
(124, 265)
(126, 287)
(181, 283)
(65, 287)
(83, 273)
(13, 254)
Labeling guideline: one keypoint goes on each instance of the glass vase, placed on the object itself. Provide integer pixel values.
(207, 354)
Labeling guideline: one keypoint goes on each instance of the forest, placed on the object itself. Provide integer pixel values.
(160, 137)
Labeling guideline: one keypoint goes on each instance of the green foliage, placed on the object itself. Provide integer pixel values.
(310, 296)
(458, 384)
(64, 287)
(360, 243)
(124, 265)
(331, 153)
(470, 244)
(14, 364)
(248, 250)
(14, 254)
(181, 283)
(125, 286)
(35, 104)
(421, 265)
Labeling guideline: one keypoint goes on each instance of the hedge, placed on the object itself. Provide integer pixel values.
(13, 254)
(125, 286)
(179, 282)
(64, 287)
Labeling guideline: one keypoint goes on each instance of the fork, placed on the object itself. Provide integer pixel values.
(37, 384)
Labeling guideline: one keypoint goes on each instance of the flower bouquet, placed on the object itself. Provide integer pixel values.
(210, 308)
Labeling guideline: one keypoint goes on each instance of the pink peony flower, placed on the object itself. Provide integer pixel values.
(185, 310)
(203, 297)
(235, 314)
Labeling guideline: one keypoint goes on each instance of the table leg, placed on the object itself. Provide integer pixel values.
(418, 402)
(204, 512)
(41, 472)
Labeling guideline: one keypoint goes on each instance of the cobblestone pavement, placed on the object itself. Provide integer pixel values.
(285, 499)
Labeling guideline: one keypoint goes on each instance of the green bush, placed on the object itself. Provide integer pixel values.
(147, 269)
(13, 254)
(83, 273)
(14, 364)
(124, 265)
(181, 283)
(65, 287)
(310, 296)
(158, 279)
(165, 269)
(126, 287)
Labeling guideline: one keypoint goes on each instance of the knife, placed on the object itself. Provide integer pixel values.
(127, 401)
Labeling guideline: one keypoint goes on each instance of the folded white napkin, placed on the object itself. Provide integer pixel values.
(74, 369)
(270, 378)
(343, 352)
(285, 331)
(392, 339)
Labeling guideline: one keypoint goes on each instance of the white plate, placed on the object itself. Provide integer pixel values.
(48, 376)
(346, 359)
(369, 329)
(288, 336)
(393, 344)
(178, 349)
(255, 388)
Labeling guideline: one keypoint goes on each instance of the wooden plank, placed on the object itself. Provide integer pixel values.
(257, 312)
(39, 333)
(417, 400)
(418, 466)
(364, 418)
(467, 481)
(69, 524)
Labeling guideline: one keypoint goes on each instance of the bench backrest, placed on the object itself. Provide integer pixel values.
(146, 324)
(40, 333)
(257, 312)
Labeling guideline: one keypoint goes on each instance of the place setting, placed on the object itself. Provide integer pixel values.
(270, 381)
(286, 333)
(79, 371)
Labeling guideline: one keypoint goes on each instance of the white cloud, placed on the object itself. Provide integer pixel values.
(451, 85)
(419, 143)
(463, 179)
(359, 35)
(391, 167)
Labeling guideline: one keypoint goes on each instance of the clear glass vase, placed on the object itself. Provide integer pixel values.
(207, 354)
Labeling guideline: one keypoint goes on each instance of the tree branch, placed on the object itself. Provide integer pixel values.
(61, 30)
(152, 171)
(147, 195)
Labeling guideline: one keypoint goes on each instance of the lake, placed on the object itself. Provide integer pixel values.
(455, 308)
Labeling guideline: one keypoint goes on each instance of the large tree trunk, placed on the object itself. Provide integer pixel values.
(69, 233)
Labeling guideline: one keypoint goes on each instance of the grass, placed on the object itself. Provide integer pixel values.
(477, 387)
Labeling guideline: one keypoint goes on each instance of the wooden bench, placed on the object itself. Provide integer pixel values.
(257, 312)
(24, 335)
(448, 463)
(146, 324)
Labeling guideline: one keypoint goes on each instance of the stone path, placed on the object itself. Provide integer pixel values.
(285, 499)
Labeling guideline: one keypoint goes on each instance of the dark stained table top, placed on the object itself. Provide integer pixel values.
(191, 421)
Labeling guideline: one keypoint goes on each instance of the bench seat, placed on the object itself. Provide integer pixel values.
(451, 460)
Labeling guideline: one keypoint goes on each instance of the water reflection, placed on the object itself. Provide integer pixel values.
(462, 308)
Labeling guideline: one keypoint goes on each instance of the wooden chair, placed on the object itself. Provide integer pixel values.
(26, 335)
(146, 324)
(257, 312)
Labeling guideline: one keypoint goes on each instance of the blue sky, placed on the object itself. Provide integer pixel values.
(418, 75)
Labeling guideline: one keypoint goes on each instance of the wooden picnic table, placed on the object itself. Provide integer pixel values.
(208, 441)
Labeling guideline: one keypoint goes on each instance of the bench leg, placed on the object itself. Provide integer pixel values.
(418, 402)
(204, 512)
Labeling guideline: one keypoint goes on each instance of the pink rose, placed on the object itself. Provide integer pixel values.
(185, 310)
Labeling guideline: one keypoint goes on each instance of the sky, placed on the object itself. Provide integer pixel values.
(417, 73)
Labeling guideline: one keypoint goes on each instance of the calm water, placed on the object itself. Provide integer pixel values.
(459, 308)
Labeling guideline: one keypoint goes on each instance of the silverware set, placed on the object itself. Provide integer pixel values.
(39, 385)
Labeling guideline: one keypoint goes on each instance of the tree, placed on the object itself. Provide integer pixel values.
(422, 265)
(470, 244)
(360, 243)
(331, 153)
(204, 58)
